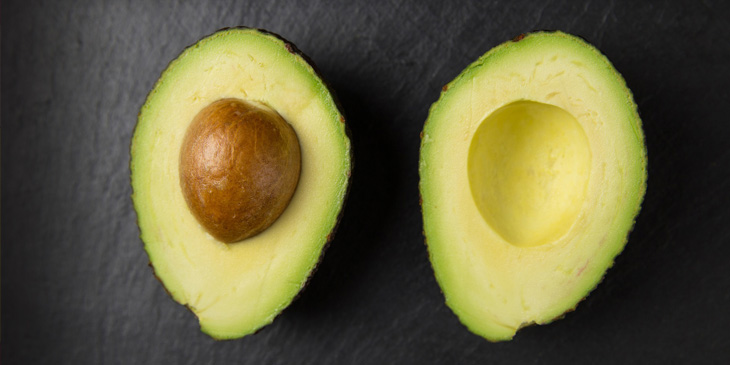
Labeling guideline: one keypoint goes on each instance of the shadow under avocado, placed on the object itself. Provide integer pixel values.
(367, 212)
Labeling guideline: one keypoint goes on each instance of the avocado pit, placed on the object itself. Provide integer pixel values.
(239, 167)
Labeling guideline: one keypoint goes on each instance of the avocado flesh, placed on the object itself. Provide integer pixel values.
(533, 168)
(235, 289)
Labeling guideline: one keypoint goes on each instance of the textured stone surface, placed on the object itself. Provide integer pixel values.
(76, 288)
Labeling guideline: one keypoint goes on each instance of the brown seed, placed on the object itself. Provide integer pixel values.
(239, 167)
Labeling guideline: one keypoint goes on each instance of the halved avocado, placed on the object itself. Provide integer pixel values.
(238, 76)
(533, 169)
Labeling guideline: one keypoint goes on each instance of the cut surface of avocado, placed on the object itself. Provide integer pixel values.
(236, 288)
(533, 169)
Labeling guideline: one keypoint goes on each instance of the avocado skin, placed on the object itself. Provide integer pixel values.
(292, 48)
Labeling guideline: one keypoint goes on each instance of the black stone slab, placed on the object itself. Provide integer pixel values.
(76, 288)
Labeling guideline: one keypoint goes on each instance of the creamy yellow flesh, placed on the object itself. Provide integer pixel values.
(532, 171)
(235, 289)
(528, 171)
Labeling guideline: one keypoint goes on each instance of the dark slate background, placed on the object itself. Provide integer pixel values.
(76, 288)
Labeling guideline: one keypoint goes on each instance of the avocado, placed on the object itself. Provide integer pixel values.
(240, 165)
(532, 171)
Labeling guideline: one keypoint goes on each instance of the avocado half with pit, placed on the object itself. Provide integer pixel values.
(533, 169)
(240, 164)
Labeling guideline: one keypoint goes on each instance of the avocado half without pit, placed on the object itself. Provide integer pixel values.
(533, 169)
(240, 165)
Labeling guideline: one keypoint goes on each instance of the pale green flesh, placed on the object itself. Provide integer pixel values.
(523, 220)
(238, 288)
